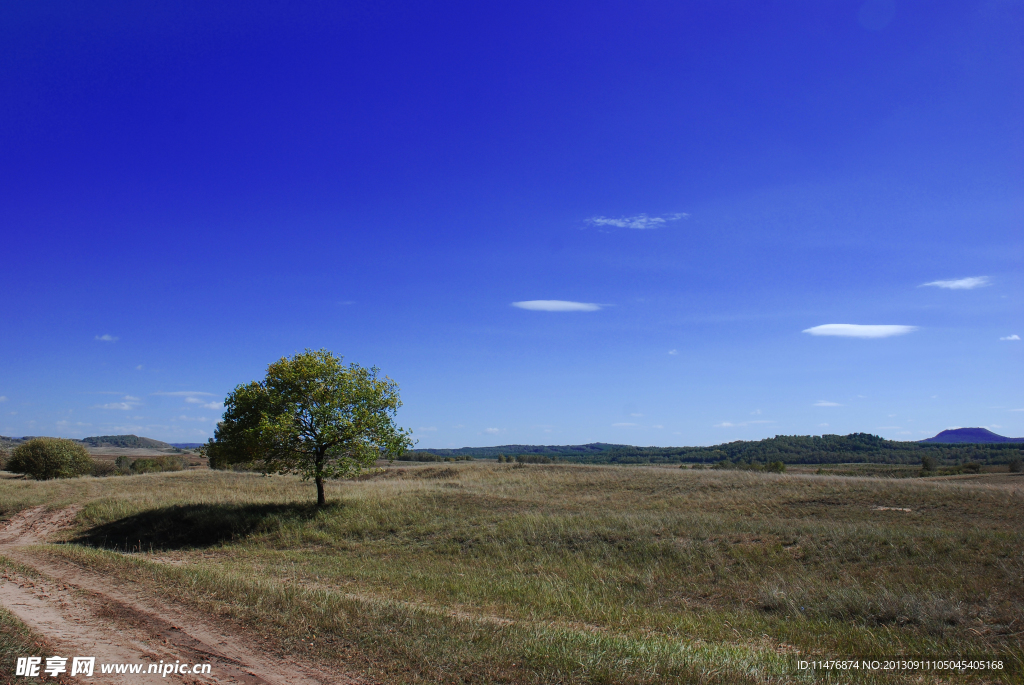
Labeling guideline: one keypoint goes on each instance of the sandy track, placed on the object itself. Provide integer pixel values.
(87, 614)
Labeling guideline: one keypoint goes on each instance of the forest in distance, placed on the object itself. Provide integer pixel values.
(789, 449)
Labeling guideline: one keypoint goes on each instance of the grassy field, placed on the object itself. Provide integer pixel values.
(485, 572)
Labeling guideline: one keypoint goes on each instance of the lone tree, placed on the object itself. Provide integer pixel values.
(311, 415)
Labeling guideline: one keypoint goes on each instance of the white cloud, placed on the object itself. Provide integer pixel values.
(205, 405)
(106, 337)
(673, 352)
(823, 425)
(657, 425)
(623, 425)
(1021, 409)
(756, 412)
(3, 398)
(492, 431)
(853, 330)
(960, 283)
(636, 415)
(557, 306)
(826, 403)
(730, 424)
(1011, 337)
(192, 418)
(640, 221)
(116, 405)
(183, 393)
(139, 367)
(129, 398)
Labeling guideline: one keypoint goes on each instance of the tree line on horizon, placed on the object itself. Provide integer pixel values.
(788, 449)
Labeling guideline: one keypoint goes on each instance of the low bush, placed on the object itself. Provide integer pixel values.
(103, 468)
(1016, 466)
(47, 458)
(167, 462)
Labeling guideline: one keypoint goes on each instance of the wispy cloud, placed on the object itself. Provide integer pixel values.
(492, 431)
(3, 398)
(640, 221)
(826, 403)
(427, 428)
(557, 306)
(853, 330)
(192, 418)
(731, 424)
(623, 425)
(117, 405)
(184, 393)
(205, 405)
(1011, 337)
(960, 283)
(673, 352)
(106, 337)
(128, 403)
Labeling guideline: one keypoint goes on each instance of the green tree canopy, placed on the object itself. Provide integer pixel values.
(46, 458)
(313, 416)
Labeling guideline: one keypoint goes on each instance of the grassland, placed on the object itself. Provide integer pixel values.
(486, 572)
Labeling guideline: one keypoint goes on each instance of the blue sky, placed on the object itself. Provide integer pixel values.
(189, 191)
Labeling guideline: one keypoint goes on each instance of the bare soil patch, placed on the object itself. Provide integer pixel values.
(86, 614)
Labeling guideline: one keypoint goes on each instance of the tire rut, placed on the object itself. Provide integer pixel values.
(87, 614)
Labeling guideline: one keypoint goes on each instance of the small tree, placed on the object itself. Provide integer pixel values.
(313, 416)
(46, 458)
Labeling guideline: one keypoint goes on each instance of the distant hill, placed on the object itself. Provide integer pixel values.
(972, 435)
(187, 445)
(124, 441)
(594, 448)
(790, 449)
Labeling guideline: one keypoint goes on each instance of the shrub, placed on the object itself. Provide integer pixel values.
(1016, 466)
(533, 459)
(103, 468)
(972, 467)
(928, 463)
(776, 467)
(167, 462)
(46, 458)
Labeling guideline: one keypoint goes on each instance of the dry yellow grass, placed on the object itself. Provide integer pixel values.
(574, 573)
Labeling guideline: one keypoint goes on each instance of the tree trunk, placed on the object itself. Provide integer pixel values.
(321, 500)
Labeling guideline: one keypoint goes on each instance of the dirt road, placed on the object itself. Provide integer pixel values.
(86, 614)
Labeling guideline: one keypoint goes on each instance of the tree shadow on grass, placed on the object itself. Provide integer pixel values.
(190, 526)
